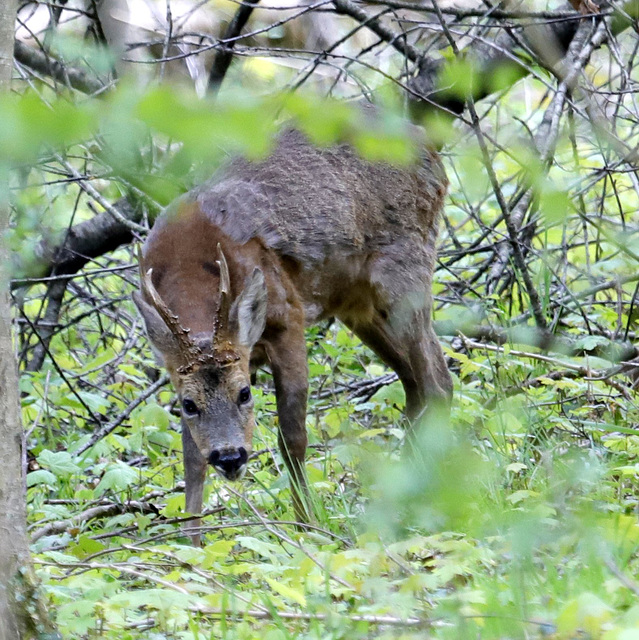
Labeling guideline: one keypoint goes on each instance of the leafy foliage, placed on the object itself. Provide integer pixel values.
(515, 518)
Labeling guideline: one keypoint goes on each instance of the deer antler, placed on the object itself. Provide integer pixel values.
(223, 307)
(225, 353)
(190, 351)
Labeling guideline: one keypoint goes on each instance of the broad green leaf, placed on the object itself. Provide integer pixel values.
(58, 462)
(41, 476)
(117, 477)
(287, 592)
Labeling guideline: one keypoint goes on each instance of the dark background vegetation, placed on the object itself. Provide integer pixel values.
(520, 518)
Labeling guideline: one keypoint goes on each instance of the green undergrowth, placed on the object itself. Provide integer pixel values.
(515, 518)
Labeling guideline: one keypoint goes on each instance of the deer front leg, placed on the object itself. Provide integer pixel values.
(287, 355)
(195, 469)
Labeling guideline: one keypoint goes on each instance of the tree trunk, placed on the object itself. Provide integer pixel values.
(14, 554)
(7, 22)
(21, 616)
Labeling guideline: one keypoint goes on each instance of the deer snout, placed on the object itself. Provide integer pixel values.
(229, 463)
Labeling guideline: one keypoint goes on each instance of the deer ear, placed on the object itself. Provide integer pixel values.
(249, 310)
(162, 340)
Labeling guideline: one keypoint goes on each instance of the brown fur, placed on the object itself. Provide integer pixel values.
(333, 235)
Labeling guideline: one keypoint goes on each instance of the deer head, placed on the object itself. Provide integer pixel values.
(210, 370)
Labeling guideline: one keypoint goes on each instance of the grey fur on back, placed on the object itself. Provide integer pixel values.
(303, 201)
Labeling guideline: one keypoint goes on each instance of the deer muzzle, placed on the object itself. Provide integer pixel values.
(230, 463)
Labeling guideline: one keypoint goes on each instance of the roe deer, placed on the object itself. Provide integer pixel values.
(233, 271)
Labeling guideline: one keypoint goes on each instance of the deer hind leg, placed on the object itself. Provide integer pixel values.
(407, 343)
(195, 469)
(288, 359)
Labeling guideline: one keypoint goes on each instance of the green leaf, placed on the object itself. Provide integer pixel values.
(392, 394)
(287, 592)
(159, 599)
(85, 546)
(94, 401)
(155, 415)
(174, 507)
(265, 549)
(41, 476)
(554, 204)
(519, 496)
(458, 78)
(117, 477)
(58, 462)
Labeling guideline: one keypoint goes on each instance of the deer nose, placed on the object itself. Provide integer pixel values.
(229, 462)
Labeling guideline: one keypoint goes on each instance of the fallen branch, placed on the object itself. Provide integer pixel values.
(578, 370)
(605, 348)
(67, 253)
(396, 621)
(101, 511)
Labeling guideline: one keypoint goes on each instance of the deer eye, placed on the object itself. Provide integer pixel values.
(189, 407)
(245, 395)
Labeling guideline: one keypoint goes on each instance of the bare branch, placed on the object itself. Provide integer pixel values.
(224, 56)
(43, 63)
